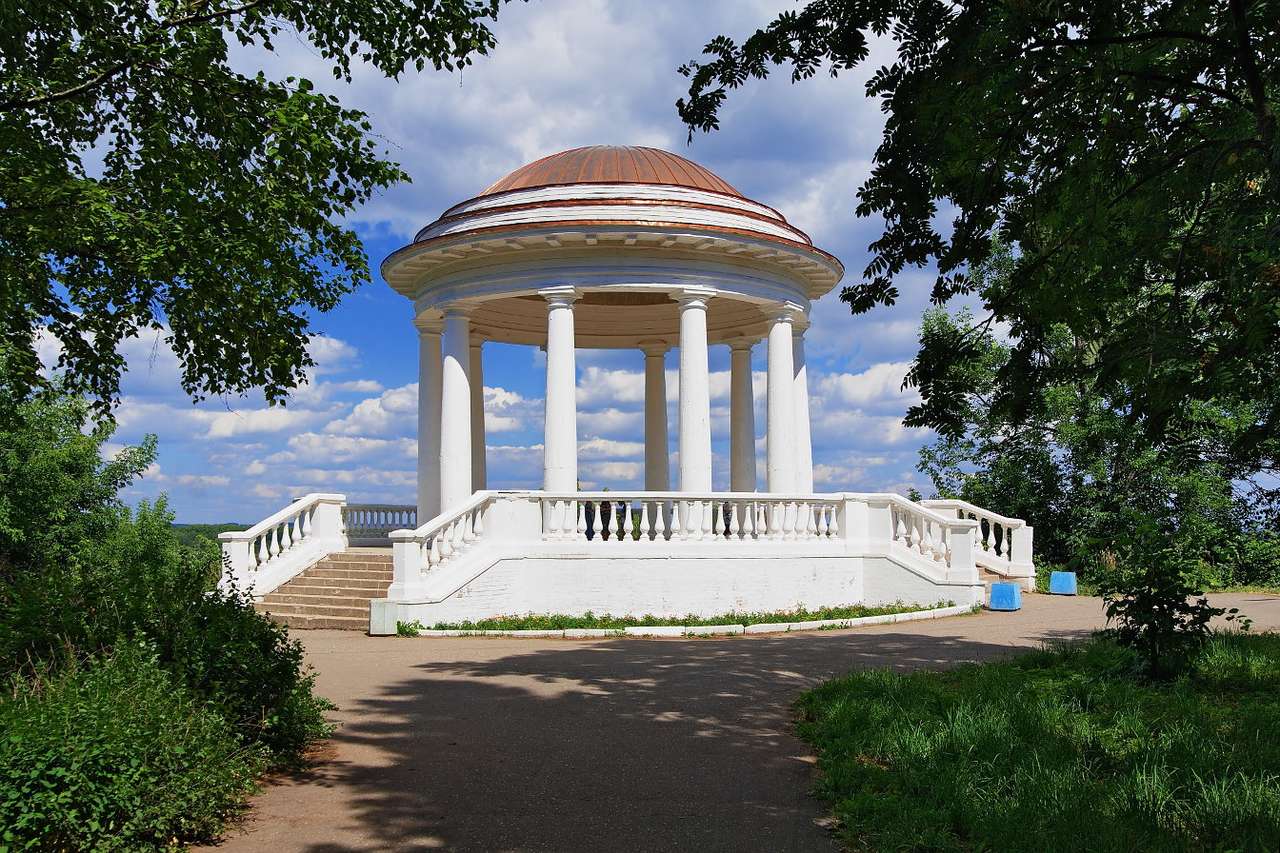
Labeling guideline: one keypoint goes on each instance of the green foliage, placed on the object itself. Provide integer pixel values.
(146, 184)
(1130, 150)
(114, 753)
(85, 571)
(1057, 750)
(190, 534)
(559, 621)
(81, 571)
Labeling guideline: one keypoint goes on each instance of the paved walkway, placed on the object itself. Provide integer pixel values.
(494, 744)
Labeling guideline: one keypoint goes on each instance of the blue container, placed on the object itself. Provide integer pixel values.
(1062, 583)
(1005, 596)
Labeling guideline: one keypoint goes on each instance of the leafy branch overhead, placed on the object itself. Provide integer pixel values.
(1128, 151)
(148, 184)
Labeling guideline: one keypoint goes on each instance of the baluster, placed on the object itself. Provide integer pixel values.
(433, 551)
(446, 542)
(620, 509)
(661, 520)
(810, 521)
(466, 534)
(645, 532)
(735, 521)
(479, 522)
(306, 521)
(749, 519)
(707, 511)
(579, 519)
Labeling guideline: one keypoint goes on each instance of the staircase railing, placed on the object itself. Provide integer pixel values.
(443, 538)
(283, 544)
(1002, 544)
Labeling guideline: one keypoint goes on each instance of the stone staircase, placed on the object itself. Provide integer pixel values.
(334, 593)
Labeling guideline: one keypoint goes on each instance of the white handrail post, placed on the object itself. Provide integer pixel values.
(237, 560)
(327, 528)
(406, 573)
(962, 566)
(1021, 556)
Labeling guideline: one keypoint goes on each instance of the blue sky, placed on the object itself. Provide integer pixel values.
(565, 73)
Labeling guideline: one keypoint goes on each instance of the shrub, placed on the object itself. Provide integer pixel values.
(114, 753)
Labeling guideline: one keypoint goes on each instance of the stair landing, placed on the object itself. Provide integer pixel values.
(334, 593)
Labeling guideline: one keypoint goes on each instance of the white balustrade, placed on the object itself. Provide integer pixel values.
(1001, 544)
(612, 517)
(283, 544)
(370, 524)
(417, 553)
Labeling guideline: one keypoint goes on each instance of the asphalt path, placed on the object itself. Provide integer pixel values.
(496, 744)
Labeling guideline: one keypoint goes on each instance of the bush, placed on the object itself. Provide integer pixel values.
(114, 753)
(1060, 750)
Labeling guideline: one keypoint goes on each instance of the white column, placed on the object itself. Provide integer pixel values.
(742, 419)
(479, 474)
(428, 419)
(455, 411)
(560, 437)
(781, 415)
(800, 400)
(695, 393)
(657, 465)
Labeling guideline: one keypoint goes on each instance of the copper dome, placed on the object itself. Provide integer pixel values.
(612, 164)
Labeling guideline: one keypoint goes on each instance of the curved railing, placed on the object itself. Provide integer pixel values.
(442, 539)
(285, 543)
(371, 524)
(666, 516)
(1001, 544)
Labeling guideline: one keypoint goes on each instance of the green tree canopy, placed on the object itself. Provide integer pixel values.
(1128, 150)
(145, 183)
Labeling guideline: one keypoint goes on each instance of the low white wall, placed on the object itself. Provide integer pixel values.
(673, 586)
(888, 581)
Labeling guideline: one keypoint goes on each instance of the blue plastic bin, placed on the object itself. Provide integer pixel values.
(1062, 583)
(1005, 596)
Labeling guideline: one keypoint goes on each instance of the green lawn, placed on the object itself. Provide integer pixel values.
(1056, 750)
(559, 621)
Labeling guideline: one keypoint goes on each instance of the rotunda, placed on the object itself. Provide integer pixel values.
(613, 247)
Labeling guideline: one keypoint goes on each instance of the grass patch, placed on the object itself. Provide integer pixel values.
(1056, 750)
(560, 621)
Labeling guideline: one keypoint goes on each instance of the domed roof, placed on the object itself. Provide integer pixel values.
(613, 164)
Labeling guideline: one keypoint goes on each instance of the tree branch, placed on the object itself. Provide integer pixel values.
(120, 67)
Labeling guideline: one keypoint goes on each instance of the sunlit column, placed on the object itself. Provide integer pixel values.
(428, 419)
(695, 393)
(560, 425)
(742, 419)
(800, 400)
(478, 467)
(657, 466)
(455, 420)
(781, 415)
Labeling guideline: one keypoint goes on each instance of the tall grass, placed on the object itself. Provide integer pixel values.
(1058, 750)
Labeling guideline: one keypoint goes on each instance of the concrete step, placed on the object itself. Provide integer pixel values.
(357, 574)
(312, 610)
(338, 599)
(359, 557)
(334, 586)
(354, 565)
(342, 623)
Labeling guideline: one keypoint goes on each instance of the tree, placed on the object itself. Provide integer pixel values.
(146, 183)
(1087, 479)
(1129, 151)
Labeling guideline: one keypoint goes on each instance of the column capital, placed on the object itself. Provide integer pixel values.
(694, 297)
(456, 310)
(655, 349)
(428, 326)
(478, 338)
(559, 297)
(741, 343)
(788, 312)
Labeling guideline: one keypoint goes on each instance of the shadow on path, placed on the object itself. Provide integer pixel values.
(621, 745)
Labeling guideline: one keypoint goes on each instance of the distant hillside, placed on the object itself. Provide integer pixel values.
(188, 534)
